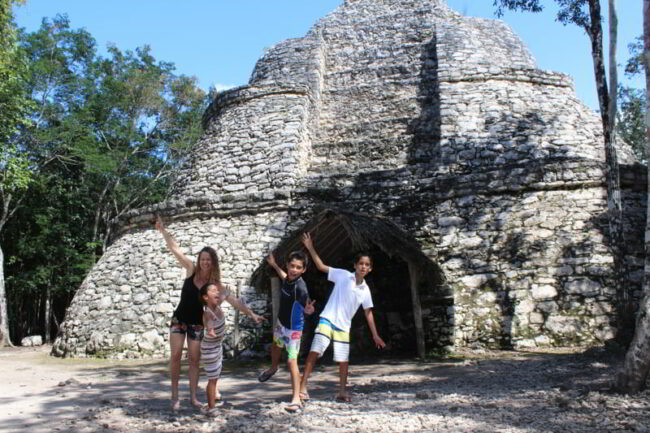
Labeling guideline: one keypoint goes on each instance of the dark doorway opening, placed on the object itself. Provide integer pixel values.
(338, 236)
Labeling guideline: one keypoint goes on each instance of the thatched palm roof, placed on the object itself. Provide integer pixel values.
(338, 233)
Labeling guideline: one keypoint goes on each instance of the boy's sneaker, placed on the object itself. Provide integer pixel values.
(266, 375)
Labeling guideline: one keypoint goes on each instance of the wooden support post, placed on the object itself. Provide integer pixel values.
(417, 309)
(235, 331)
(275, 298)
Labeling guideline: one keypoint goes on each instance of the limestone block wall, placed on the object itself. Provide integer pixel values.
(634, 193)
(501, 120)
(530, 267)
(384, 63)
(257, 142)
(301, 64)
(124, 305)
(524, 249)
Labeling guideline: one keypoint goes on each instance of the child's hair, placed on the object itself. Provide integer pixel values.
(216, 269)
(204, 290)
(300, 256)
(362, 254)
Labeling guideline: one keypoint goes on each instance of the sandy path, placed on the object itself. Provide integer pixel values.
(41, 393)
(506, 392)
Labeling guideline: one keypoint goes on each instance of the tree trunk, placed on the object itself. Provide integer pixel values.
(613, 73)
(48, 316)
(98, 214)
(5, 214)
(417, 310)
(4, 318)
(595, 32)
(633, 375)
(607, 105)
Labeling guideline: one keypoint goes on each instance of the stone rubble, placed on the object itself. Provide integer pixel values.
(32, 340)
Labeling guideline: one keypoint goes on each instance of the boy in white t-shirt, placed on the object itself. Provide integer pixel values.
(350, 291)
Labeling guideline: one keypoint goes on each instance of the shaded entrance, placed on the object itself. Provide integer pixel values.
(407, 287)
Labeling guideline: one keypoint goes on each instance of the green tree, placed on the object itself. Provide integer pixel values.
(14, 104)
(47, 255)
(144, 119)
(106, 135)
(14, 166)
(127, 119)
(630, 124)
(633, 376)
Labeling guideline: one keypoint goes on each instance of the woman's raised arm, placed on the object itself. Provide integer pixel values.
(183, 260)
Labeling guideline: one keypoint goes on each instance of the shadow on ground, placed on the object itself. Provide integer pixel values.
(507, 391)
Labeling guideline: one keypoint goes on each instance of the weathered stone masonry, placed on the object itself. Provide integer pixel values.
(408, 110)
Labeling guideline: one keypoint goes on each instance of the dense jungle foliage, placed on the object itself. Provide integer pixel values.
(88, 138)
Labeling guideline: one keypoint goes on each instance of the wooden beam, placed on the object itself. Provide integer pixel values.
(417, 309)
(275, 299)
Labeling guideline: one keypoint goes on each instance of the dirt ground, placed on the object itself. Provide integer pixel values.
(507, 392)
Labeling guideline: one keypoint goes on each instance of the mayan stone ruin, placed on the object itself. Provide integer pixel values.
(476, 180)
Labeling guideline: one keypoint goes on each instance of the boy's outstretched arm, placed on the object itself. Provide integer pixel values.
(306, 241)
(271, 261)
(373, 329)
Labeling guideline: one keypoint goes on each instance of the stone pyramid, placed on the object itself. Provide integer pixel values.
(395, 109)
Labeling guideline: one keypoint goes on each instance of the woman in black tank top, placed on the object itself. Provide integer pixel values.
(187, 320)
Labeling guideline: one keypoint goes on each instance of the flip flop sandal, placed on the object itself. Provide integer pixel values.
(266, 375)
(304, 396)
(293, 408)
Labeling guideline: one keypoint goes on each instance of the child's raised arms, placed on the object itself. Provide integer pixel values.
(271, 261)
(307, 242)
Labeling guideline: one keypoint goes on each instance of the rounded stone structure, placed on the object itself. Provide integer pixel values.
(402, 110)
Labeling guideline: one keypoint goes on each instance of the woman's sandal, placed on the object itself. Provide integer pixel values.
(304, 396)
(293, 408)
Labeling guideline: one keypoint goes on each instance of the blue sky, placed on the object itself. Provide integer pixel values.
(219, 41)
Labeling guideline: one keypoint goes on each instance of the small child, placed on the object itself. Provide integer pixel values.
(212, 296)
(294, 300)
